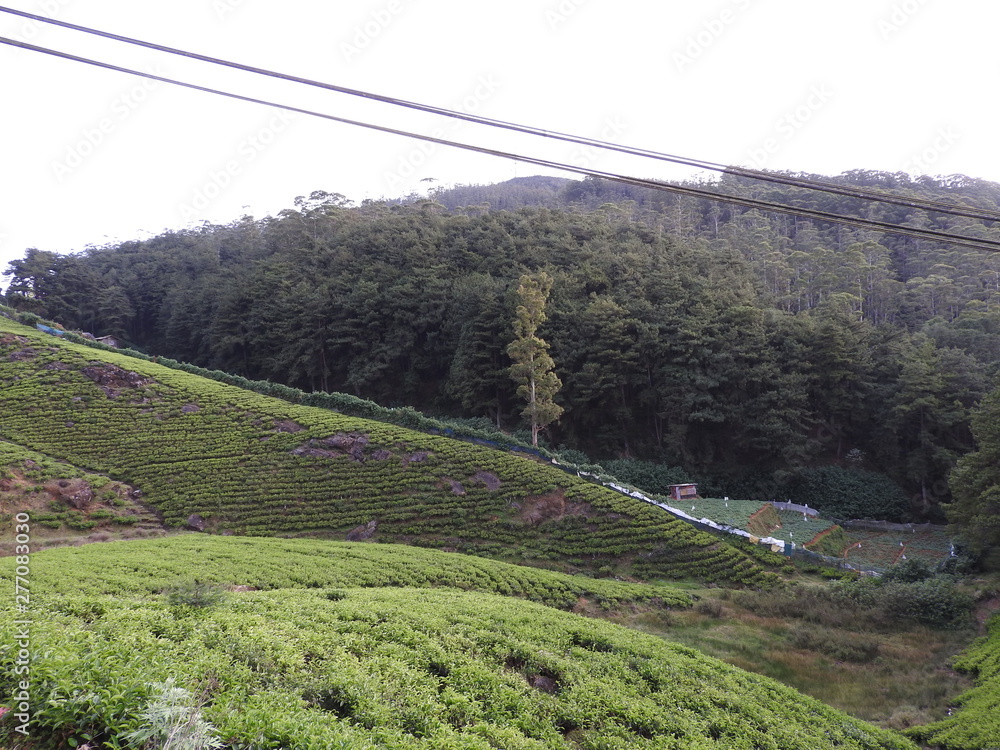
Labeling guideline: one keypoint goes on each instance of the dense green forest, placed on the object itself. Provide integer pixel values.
(747, 348)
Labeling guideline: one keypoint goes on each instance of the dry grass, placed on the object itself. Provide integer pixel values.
(896, 676)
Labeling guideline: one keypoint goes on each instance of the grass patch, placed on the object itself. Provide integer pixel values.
(859, 659)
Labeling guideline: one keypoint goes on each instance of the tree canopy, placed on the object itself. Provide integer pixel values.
(975, 482)
(532, 368)
(742, 346)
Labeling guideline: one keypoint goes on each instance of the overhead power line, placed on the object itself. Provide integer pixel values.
(978, 244)
(851, 191)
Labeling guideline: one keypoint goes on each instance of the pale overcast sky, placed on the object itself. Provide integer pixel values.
(90, 156)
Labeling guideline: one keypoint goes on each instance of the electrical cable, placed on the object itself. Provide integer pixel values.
(778, 178)
(971, 242)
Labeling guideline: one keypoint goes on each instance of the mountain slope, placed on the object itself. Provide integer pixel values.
(151, 566)
(66, 502)
(388, 667)
(740, 345)
(232, 461)
(976, 722)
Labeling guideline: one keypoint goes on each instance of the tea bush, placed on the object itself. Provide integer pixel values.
(398, 668)
(975, 723)
(937, 601)
(850, 493)
(167, 566)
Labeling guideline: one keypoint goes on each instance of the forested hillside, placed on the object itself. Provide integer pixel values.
(753, 353)
(225, 460)
(747, 348)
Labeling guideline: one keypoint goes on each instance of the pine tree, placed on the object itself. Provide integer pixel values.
(975, 481)
(532, 368)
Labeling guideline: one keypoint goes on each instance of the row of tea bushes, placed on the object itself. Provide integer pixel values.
(313, 667)
(249, 464)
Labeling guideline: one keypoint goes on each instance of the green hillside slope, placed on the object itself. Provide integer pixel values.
(715, 338)
(151, 566)
(976, 722)
(66, 502)
(298, 667)
(247, 464)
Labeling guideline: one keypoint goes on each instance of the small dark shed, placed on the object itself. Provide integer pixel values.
(683, 491)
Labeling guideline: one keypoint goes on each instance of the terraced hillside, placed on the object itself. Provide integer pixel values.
(761, 519)
(232, 461)
(415, 664)
(880, 549)
(65, 502)
(864, 544)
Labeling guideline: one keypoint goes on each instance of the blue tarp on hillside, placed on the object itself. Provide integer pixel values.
(49, 329)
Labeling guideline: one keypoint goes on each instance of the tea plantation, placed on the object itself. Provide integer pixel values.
(410, 663)
(976, 723)
(277, 629)
(150, 566)
(247, 464)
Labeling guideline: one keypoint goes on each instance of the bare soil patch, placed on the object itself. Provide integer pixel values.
(551, 506)
(352, 444)
(75, 492)
(491, 481)
(113, 379)
(67, 511)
